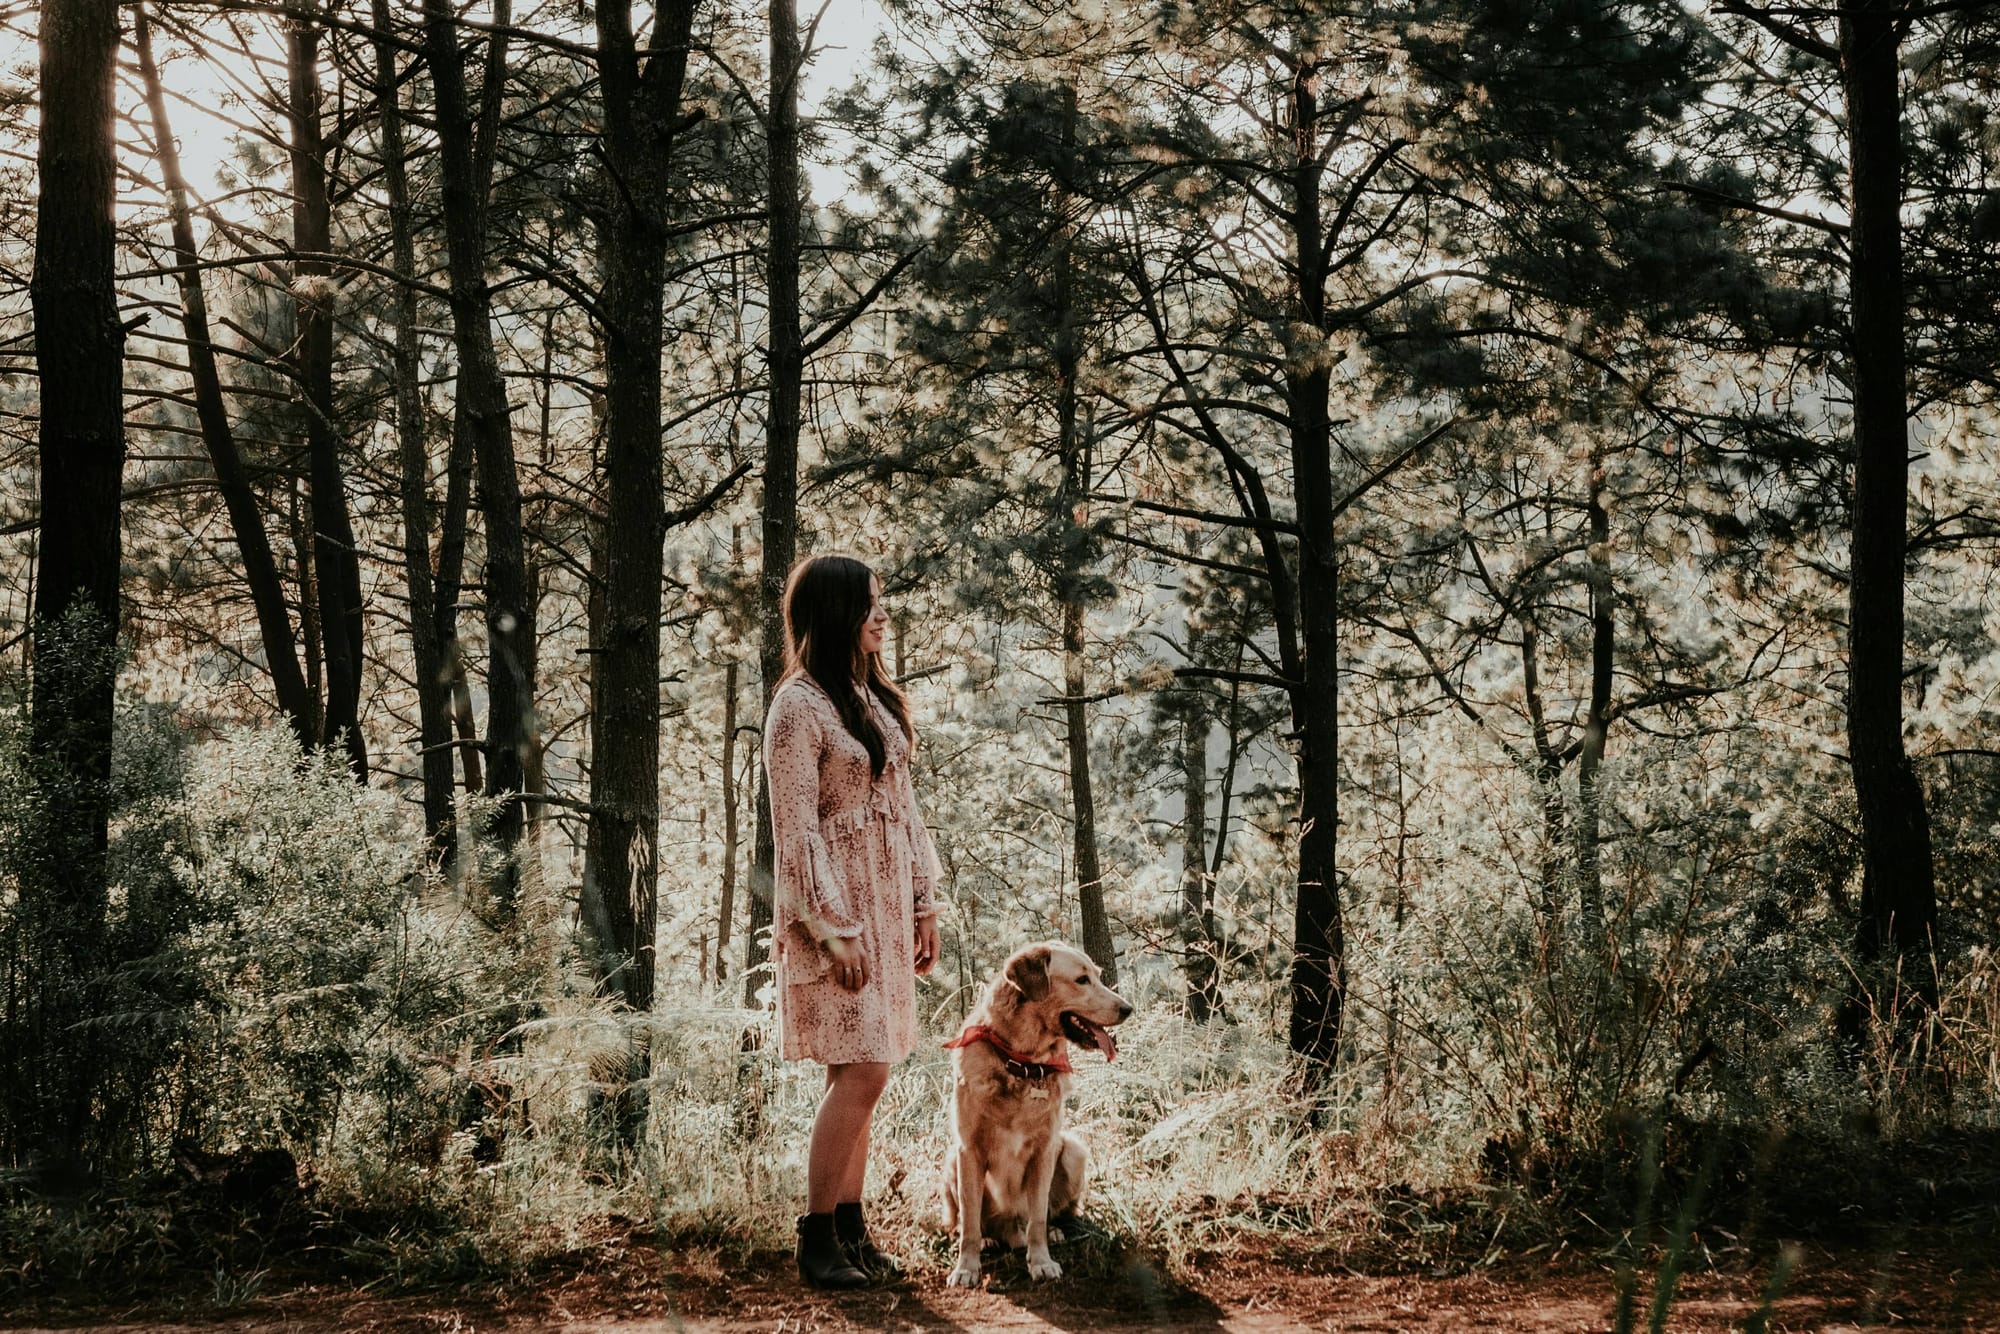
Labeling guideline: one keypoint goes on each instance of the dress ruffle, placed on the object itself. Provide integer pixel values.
(926, 872)
(811, 893)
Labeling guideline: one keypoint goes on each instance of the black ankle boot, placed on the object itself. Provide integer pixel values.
(822, 1264)
(858, 1246)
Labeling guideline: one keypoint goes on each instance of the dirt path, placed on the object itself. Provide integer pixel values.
(1234, 1294)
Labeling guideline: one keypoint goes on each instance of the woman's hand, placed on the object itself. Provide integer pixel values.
(850, 963)
(927, 943)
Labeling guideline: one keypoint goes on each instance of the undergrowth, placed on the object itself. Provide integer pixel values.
(326, 1060)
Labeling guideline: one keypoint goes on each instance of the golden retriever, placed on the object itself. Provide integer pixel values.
(1009, 1155)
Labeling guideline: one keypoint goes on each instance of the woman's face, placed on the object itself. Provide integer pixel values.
(877, 620)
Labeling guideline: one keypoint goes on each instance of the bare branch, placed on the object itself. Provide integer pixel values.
(1791, 35)
(856, 308)
(690, 512)
(1206, 516)
(1243, 678)
(1187, 558)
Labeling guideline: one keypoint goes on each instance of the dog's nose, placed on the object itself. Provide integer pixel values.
(1124, 1010)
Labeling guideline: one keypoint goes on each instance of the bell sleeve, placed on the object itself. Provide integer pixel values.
(810, 894)
(925, 872)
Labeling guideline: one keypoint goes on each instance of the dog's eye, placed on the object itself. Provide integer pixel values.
(1084, 981)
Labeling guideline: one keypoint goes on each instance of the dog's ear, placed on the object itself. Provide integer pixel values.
(1029, 972)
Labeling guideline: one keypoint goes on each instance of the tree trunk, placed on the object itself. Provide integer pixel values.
(1597, 722)
(467, 148)
(1073, 453)
(79, 356)
(726, 914)
(732, 793)
(1898, 893)
(535, 525)
(450, 587)
(1392, 1017)
(534, 759)
(1319, 951)
(1096, 923)
(781, 450)
(621, 853)
(336, 563)
(1233, 738)
(1199, 949)
(312, 646)
(1547, 776)
(430, 662)
(239, 499)
(620, 901)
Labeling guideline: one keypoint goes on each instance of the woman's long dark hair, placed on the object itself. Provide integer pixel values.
(826, 604)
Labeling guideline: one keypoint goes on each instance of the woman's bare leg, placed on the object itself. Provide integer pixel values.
(837, 1160)
(856, 1173)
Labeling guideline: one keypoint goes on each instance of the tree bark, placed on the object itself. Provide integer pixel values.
(1073, 454)
(1392, 1026)
(239, 499)
(336, 562)
(1547, 775)
(1196, 940)
(450, 587)
(430, 662)
(1233, 738)
(726, 914)
(467, 146)
(299, 520)
(1096, 923)
(1898, 892)
(534, 759)
(1319, 950)
(1597, 721)
(781, 449)
(79, 356)
(620, 905)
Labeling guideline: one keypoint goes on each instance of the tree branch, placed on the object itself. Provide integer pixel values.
(1796, 38)
(1206, 516)
(1244, 678)
(1187, 558)
(287, 257)
(1703, 192)
(1368, 483)
(690, 512)
(856, 308)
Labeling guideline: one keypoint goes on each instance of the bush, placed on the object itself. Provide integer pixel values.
(284, 980)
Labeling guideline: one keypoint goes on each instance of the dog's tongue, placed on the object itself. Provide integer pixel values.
(1101, 1036)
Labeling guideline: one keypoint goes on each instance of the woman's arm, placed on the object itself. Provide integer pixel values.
(925, 871)
(810, 892)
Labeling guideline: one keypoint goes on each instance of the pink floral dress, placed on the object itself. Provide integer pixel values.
(853, 860)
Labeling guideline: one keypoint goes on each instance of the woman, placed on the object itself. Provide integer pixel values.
(854, 919)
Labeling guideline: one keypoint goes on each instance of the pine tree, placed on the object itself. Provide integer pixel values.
(1282, 125)
(79, 355)
(467, 142)
(1019, 335)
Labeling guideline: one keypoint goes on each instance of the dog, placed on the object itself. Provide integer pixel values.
(1011, 1166)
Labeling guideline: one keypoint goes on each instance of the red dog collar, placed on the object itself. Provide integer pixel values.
(1016, 1063)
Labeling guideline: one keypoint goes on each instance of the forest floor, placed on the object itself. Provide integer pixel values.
(1918, 1285)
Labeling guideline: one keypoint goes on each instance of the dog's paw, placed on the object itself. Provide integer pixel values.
(965, 1276)
(1043, 1270)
